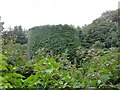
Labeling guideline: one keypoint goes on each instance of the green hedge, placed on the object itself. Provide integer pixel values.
(57, 38)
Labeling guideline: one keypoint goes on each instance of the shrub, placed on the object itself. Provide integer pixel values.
(8, 78)
(57, 38)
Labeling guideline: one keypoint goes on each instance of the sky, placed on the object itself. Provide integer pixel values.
(30, 13)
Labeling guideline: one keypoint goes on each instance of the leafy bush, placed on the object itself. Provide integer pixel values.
(9, 79)
(17, 57)
(103, 69)
(57, 38)
(100, 71)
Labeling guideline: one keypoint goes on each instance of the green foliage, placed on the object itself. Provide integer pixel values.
(17, 58)
(15, 52)
(57, 38)
(98, 68)
(17, 34)
(110, 16)
(8, 79)
(103, 34)
(100, 71)
(95, 67)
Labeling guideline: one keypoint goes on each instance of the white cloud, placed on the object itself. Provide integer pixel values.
(29, 13)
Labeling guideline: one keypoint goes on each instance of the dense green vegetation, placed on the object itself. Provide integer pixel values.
(18, 34)
(63, 56)
(101, 34)
(57, 38)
